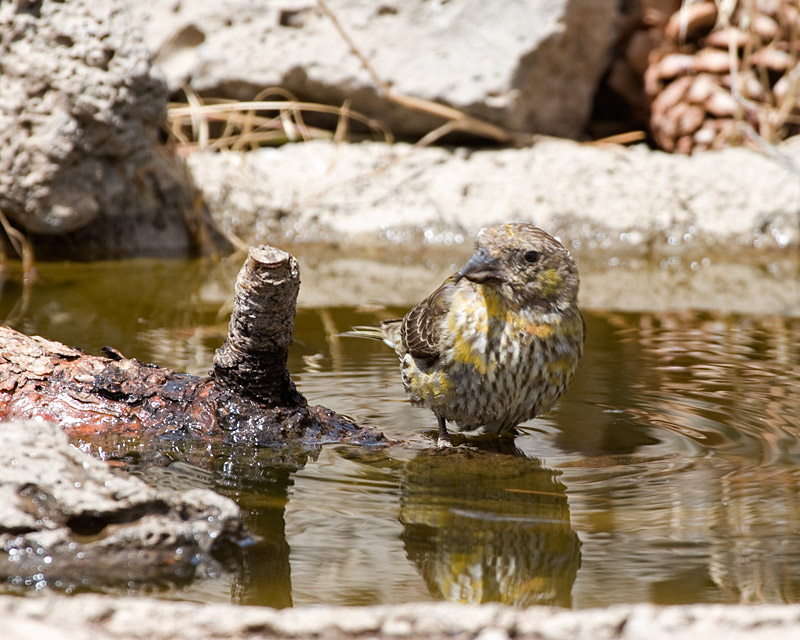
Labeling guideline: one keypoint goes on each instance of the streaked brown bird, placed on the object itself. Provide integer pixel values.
(498, 342)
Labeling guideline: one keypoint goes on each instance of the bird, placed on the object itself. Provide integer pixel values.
(499, 341)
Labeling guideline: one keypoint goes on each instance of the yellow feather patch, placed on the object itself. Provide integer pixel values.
(539, 330)
(550, 282)
(429, 385)
(463, 352)
(478, 311)
(560, 368)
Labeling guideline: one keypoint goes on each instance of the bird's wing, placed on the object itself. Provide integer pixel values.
(422, 326)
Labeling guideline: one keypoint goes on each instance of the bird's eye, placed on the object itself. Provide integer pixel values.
(531, 256)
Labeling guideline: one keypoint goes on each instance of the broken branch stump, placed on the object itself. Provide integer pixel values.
(252, 360)
(248, 398)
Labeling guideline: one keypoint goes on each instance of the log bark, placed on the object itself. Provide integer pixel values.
(252, 360)
(249, 397)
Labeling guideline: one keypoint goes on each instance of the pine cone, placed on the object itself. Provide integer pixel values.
(713, 74)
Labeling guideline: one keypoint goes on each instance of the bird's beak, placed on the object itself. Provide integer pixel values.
(480, 268)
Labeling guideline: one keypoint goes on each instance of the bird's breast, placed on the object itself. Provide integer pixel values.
(487, 332)
(468, 335)
(498, 365)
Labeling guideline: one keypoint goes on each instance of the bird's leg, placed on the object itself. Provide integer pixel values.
(444, 438)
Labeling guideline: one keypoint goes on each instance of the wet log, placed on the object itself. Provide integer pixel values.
(252, 360)
(248, 398)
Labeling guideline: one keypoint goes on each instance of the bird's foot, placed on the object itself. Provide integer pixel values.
(444, 441)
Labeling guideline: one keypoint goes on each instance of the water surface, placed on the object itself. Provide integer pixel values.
(669, 472)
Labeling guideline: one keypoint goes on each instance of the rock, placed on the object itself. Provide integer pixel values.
(80, 115)
(529, 66)
(68, 521)
(592, 197)
(106, 618)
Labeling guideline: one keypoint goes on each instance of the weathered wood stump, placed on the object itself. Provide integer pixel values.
(249, 396)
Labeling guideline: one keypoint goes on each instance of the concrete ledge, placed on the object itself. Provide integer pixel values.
(106, 618)
(608, 198)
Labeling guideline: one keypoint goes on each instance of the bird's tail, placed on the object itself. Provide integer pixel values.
(388, 332)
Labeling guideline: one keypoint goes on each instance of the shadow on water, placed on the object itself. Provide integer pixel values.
(669, 473)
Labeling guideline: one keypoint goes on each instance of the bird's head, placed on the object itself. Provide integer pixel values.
(523, 263)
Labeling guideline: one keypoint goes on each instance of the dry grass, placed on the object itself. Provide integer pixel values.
(273, 117)
(248, 125)
(775, 116)
(21, 246)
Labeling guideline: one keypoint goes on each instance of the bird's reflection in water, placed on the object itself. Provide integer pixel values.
(482, 526)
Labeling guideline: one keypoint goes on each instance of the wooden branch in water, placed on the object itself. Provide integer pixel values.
(252, 359)
(250, 396)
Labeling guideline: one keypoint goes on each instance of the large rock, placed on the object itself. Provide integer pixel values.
(80, 112)
(68, 521)
(591, 196)
(531, 65)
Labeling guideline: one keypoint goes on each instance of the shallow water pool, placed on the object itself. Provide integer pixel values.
(669, 473)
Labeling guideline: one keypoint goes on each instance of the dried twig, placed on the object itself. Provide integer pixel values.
(243, 128)
(22, 246)
(462, 121)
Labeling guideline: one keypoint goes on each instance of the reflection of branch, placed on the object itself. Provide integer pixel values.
(458, 119)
